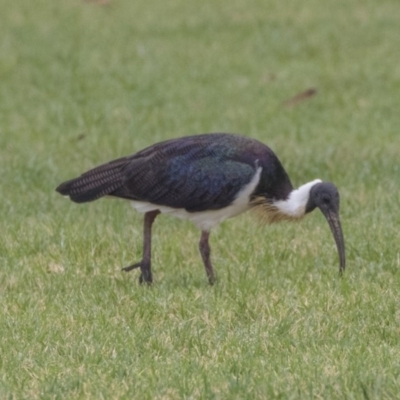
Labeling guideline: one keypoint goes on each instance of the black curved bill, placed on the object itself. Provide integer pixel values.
(336, 228)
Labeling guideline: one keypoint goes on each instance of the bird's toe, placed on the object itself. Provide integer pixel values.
(145, 278)
(131, 267)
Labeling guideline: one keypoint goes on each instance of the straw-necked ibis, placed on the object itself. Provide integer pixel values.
(206, 179)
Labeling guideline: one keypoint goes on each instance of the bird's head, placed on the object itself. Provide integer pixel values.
(325, 196)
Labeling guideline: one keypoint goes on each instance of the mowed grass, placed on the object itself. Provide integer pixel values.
(83, 83)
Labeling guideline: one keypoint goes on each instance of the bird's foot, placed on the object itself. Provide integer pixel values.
(211, 279)
(145, 276)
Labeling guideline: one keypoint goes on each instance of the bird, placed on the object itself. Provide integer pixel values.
(206, 178)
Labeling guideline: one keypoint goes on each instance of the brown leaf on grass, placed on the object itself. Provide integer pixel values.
(81, 136)
(306, 95)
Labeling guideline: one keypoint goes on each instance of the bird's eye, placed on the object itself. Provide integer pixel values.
(326, 199)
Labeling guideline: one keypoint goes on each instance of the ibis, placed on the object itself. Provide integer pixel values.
(206, 179)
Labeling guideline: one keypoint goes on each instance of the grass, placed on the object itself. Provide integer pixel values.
(83, 83)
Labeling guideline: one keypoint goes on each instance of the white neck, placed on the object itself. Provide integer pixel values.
(295, 205)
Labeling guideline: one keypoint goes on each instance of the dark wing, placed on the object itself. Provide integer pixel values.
(96, 183)
(192, 174)
(196, 173)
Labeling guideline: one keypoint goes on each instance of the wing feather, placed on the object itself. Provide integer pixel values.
(196, 173)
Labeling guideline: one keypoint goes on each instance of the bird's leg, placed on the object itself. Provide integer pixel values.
(205, 251)
(145, 264)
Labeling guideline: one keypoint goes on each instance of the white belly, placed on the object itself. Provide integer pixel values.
(205, 220)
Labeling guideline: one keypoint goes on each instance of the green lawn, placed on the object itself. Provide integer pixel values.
(82, 83)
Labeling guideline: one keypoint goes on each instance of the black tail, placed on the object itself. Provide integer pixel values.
(96, 183)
